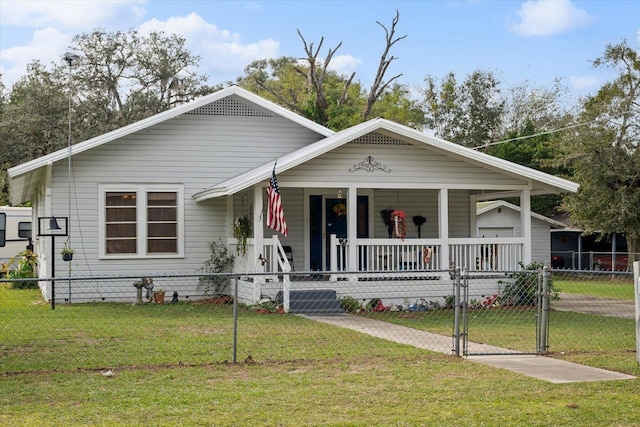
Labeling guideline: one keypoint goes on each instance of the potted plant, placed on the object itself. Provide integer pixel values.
(158, 296)
(242, 229)
(67, 252)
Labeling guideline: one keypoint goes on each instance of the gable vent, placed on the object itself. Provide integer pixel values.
(375, 138)
(229, 107)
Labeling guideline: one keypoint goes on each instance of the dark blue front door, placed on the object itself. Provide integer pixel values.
(335, 215)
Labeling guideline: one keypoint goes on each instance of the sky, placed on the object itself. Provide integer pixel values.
(535, 41)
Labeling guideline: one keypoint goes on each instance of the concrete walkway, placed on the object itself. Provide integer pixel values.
(544, 368)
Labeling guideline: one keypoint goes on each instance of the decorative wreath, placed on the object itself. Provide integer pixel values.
(398, 219)
(340, 210)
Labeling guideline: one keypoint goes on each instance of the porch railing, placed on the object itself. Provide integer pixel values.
(380, 255)
(487, 254)
(474, 254)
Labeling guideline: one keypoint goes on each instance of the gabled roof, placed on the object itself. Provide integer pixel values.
(484, 207)
(291, 160)
(64, 153)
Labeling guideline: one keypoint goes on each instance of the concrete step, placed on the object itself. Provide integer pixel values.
(315, 301)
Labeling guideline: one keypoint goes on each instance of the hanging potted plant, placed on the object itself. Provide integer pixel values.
(242, 229)
(67, 252)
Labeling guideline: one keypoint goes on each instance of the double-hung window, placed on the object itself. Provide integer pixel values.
(141, 221)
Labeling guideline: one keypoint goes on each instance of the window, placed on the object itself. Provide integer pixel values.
(141, 221)
(162, 222)
(121, 222)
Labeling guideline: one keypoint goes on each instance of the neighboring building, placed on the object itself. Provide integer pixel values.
(149, 197)
(502, 219)
(15, 231)
(571, 249)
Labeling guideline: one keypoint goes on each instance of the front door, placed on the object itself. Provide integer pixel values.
(326, 219)
(335, 215)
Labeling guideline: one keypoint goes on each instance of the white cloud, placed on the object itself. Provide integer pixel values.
(548, 17)
(54, 24)
(70, 15)
(344, 64)
(584, 83)
(223, 53)
(47, 45)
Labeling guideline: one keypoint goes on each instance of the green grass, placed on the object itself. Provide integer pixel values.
(171, 368)
(614, 288)
(426, 389)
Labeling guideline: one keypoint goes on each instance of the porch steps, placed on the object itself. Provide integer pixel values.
(316, 301)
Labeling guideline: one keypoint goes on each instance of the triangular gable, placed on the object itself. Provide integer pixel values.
(484, 207)
(193, 107)
(296, 158)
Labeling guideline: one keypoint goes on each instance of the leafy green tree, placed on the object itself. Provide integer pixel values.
(125, 77)
(117, 79)
(34, 119)
(442, 106)
(536, 150)
(308, 87)
(470, 113)
(604, 153)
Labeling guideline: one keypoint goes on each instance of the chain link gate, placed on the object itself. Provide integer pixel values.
(501, 314)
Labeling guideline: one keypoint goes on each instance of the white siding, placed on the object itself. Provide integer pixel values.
(412, 202)
(540, 241)
(418, 166)
(509, 218)
(196, 151)
(459, 214)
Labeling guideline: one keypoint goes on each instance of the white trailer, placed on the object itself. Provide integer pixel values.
(15, 231)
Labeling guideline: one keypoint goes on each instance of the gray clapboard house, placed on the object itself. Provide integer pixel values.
(147, 198)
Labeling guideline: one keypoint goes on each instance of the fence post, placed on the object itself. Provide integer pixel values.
(235, 319)
(636, 282)
(456, 317)
(544, 321)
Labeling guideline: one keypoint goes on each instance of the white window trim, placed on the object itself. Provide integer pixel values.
(141, 191)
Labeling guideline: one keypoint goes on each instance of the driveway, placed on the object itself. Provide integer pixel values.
(611, 307)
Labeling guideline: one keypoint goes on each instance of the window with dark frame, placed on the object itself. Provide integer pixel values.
(121, 222)
(162, 222)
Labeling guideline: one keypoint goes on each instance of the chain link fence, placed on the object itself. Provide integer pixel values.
(125, 321)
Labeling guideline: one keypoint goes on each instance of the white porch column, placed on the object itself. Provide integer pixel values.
(258, 226)
(473, 218)
(258, 234)
(443, 226)
(525, 220)
(352, 229)
(230, 217)
(258, 242)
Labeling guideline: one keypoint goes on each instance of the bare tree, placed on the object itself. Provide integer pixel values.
(316, 72)
(379, 86)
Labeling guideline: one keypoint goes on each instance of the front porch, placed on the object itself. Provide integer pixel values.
(483, 255)
(400, 269)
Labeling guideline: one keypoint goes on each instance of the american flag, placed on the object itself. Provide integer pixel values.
(275, 213)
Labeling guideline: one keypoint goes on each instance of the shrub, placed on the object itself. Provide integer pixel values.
(27, 262)
(522, 289)
(220, 261)
(350, 304)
